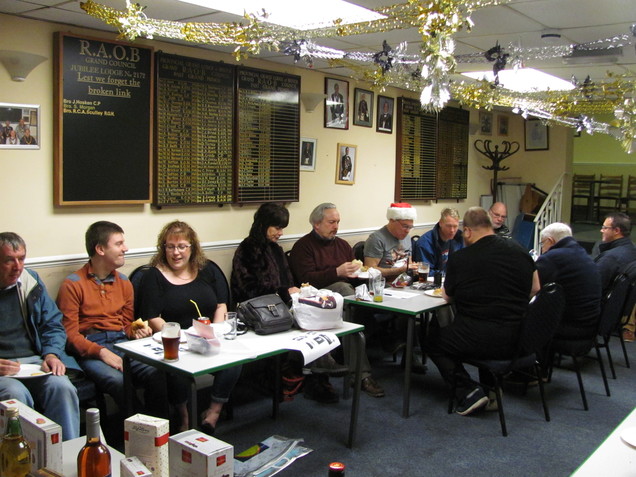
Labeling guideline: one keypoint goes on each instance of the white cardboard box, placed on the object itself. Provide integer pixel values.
(195, 454)
(146, 438)
(44, 435)
(133, 467)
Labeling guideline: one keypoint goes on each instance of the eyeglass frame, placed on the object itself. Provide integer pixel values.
(180, 247)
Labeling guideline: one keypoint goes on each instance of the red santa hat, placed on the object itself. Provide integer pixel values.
(401, 211)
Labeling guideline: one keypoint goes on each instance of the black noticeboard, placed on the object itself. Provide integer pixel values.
(103, 118)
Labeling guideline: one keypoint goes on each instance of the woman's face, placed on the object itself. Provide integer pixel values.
(273, 233)
(178, 252)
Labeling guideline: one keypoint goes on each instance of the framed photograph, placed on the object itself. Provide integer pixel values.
(363, 108)
(336, 104)
(536, 135)
(502, 125)
(346, 163)
(485, 123)
(19, 126)
(385, 114)
(307, 154)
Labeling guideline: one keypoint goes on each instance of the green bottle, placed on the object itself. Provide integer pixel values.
(15, 453)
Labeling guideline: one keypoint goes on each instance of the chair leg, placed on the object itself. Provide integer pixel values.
(600, 363)
(580, 380)
(620, 337)
(539, 372)
(609, 356)
(500, 410)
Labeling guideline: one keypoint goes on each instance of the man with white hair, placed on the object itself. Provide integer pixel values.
(565, 262)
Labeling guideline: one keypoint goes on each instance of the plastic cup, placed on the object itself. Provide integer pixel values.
(231, 319)
(170, 336)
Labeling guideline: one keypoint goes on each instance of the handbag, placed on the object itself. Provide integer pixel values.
(265, 314)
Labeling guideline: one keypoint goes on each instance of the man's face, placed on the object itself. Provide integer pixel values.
(327, 228)
(609, 233)
(11, 265)
(498, 215)
(400, 228)
(448, 227)
(114, 251)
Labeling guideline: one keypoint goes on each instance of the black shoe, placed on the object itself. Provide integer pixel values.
(474, 400)
(207, 428)
(327, 365)
(318, 388)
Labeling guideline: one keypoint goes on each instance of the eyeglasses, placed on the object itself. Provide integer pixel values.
(499, 216)
(404, 226)
(182, 247)
(605, 227)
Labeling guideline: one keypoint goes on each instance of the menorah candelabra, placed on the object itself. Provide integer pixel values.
(496, 156)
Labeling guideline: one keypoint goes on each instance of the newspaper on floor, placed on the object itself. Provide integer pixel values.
(269, 457)
(314, 344)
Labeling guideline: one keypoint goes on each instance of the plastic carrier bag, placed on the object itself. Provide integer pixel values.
(317, 309)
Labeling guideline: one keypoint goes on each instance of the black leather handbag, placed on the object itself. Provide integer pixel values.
(265, 314)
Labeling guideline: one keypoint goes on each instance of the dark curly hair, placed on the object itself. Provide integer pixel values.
(268, 215)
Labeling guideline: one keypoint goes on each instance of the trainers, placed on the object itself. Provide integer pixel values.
(372, 388)
(492, 402)
(319, 389)
(327, 365)
(473, 401)
(628, 335)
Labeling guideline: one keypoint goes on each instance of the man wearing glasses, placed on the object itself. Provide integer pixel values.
(436, 245)
(498, 214)
(616, 249)
(97, 304)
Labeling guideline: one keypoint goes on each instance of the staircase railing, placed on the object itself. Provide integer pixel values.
(550, 211)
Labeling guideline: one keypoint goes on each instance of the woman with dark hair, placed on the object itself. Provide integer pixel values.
(181, 274)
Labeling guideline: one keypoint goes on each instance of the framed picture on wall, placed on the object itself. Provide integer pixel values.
(307, 154)
(485, 123)
(536, 135)
(346, 164)
(19, 126)
(363, 108)
(502, 125)
(385, 114)
(336, 104)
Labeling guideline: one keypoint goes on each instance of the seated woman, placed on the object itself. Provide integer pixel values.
(181, 273)
(259, 268)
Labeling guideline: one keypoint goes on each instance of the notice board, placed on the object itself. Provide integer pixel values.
(102, 122)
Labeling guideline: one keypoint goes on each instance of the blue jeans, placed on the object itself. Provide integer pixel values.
(224, 382)
(53, 396)
(111, 381)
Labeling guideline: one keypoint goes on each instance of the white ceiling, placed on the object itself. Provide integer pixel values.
(519, 22)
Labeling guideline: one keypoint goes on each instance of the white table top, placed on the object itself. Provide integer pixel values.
(415, 305)
(614, 456)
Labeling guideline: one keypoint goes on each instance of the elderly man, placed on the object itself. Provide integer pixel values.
(32, 333)
(490, 282)
(616, 249)
(325, 261)
(565, 262)
(436, 245)
(498, 214)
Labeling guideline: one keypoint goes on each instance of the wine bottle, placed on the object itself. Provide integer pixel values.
(336, 469)
(15, 453)
(94, 458)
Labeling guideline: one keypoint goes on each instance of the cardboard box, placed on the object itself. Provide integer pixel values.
(133, 467)
(146, 438)
(195, 454)
(44, 435)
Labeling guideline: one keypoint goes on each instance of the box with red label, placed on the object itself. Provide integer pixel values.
(133, 467)
(146, 438)
(44, 436)
(195, 454)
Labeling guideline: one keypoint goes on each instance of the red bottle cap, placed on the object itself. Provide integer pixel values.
(339, 466)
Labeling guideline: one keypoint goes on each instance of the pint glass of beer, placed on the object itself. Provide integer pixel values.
(170, 335)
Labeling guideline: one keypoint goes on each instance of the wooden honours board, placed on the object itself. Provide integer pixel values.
(103, 104)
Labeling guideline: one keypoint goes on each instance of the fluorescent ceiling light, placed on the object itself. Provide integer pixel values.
(298, 14)
(524, 80)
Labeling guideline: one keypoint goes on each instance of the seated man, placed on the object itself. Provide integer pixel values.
(498, 214)
(616, 249)
(436, 245)
(97, 303)
(565, 262)
(325, 261)
(32, 333)
(490, 282)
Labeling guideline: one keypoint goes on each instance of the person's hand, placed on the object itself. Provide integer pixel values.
(347, 270)
(53, 364)
(142, 333)
(293, 290)
(8, 367)
(111, 359)
(413, 266)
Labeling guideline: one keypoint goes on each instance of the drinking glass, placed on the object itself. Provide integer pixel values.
(170, 336)
(231, 319)
(422, 271)
(378, 289)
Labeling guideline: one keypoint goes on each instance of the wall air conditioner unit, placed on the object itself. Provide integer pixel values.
(596, 57)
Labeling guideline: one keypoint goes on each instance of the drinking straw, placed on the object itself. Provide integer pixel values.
(197, 307)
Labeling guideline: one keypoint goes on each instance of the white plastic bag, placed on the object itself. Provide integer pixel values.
(317, 309)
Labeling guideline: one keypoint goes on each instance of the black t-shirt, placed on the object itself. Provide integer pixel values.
(490, 280)
(159, 297)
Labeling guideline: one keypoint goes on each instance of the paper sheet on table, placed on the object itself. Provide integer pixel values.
(399, 294)
(314, 344)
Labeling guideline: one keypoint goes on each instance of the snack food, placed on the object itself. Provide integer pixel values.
(357, 262)
(437, 292)
(138, 324)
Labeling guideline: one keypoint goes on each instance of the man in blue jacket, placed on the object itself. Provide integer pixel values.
(32, 333)
(435, 246)
(617, 248)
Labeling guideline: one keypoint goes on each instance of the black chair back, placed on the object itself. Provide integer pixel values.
(543, 318)
(358, 251)
(136, 277)
(612, 308)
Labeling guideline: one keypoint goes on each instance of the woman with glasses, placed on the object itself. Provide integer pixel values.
(181, 274)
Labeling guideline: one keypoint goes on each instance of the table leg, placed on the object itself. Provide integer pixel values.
(360, 346)
(277, 387)
(129, 388)
(193, 409)
(410, 329)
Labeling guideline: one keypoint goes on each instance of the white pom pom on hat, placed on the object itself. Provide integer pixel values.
(401, 211)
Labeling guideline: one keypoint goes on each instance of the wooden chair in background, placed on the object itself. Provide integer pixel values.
(611, 190)
(581, 190)
(630, 195)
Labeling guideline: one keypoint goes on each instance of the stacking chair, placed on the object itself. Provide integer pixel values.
(539, 325)
(358, 250)
(581, 190)
(611, 189)
(612, 314)
(630, 194)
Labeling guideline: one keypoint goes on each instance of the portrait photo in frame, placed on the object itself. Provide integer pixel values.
(385, 114)
(363, 107)
(19, 126)
(336, 103)
(502, 125)
(536, 135)
(307, 154)
(485, 123)
(347, 156)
